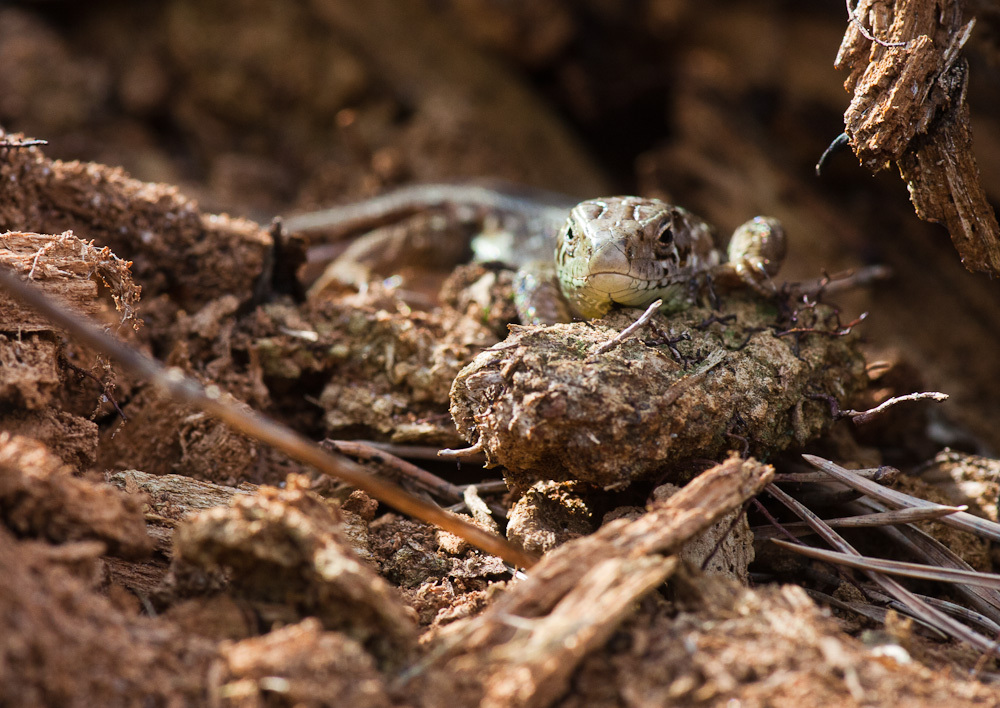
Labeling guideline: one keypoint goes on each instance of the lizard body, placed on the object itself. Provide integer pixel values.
(614, 251)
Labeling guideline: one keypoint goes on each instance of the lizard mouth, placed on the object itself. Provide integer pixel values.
(610, 284)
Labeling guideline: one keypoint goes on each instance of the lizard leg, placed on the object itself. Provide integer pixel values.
(537, 296)
(755, 254)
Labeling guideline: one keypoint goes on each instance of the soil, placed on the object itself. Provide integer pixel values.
(151, 555)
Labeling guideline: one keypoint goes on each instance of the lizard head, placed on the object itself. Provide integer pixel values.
(630, 251)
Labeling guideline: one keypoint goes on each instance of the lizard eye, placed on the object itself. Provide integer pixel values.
(569, 233)
(666, 236)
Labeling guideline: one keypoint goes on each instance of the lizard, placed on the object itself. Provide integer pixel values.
(583, 260)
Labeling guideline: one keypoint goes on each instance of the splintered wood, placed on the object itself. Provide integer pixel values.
(34, 357)
(532, 639)
(909, 108)
(64, 267)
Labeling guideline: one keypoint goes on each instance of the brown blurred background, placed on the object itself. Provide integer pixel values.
(260, 108)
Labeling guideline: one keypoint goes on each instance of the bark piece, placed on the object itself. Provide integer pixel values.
(285, 547)
(306, 666)
(175, 248)
(909, 108)
(533, 637)
(40, 497)
(35, 386)
(64, 267)
(541, 665)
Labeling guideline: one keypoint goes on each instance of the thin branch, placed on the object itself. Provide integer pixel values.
(840, 331)
(412, 452)
(628, 331)
(462, 453)
(863, 417)
(840, 282)
(891, 567)
(961, 520)
(23, 143)
(422, 478)
(210, 400)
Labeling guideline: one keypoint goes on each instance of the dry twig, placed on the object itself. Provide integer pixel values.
(961, 520)
(628, 331)
(257, 426)
(862, 417)
(915, 605)
(891, 567)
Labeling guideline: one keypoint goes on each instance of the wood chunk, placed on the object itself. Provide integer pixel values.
(909, 108)
(540, 665)
(40, 497)
(176, 248)
(64, 267)
(285, 547)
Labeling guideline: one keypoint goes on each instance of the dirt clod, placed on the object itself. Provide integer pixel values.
(543, 406)
(40, 498)
(285, 547)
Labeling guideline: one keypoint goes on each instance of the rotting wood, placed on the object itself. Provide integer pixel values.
(144, 223)
(909, 107)
(63, 265)
(541, 664)
(618, 564)
(211, 401)
(176, 496)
